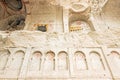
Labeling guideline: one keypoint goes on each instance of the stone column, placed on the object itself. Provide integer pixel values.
(42, 63)
(59, 19)
(71, 61)
(66, 19)
(12, 51)
(105, 51)
(25, 64)
(28, 18)
(56, 63)
(28, 25)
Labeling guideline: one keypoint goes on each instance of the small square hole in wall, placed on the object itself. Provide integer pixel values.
(42, 27)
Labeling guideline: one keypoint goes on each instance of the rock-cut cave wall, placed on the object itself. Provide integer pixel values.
(112, 13)
(12, 14)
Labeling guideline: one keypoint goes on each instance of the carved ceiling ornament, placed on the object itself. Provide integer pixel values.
(80, 5)
(97, 5)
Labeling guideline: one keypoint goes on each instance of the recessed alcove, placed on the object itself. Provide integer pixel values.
(79, 26)
(16, 63)
(35, 61)
(4, 57)
(63, 61)
(96, 61)
(49, 63)
(80, 62)
(115, 59)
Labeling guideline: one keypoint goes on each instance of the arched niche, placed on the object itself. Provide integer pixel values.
(96, 61)
(35, 61)
(49, 64)
(17, 61)
(78, 18)
(62, 60)
(80, 62)
(4, 59)
(115, 57)
(80, 26)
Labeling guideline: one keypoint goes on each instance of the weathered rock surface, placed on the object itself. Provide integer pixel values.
(39, 39)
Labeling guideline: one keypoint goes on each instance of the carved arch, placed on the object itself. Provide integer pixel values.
(35, 61)
(115, 57)
(4, 59)
(77, 17)
(62, 60)
(80, 62)
(17, 61)
(96, 61)
(49, 63)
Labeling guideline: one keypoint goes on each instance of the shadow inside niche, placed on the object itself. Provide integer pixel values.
(15, 22)
(14, 4)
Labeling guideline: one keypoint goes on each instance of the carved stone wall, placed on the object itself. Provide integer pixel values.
(90, 51)
(58, 56)
(92, 62)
